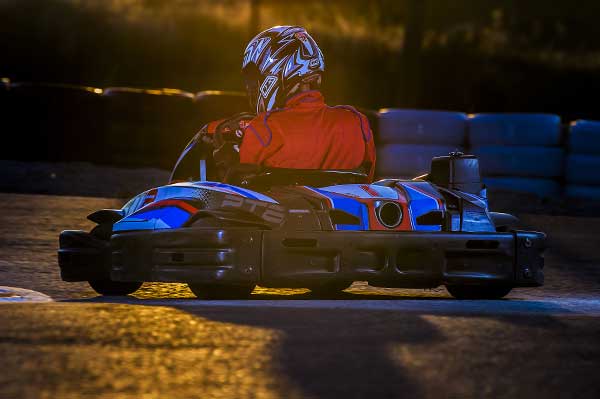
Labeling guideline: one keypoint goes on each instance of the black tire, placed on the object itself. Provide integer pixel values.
(478, 291)
(107, 286)
(215, 291)
(116, 288)
(330, 288)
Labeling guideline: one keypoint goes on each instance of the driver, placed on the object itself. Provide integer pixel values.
(293, 128)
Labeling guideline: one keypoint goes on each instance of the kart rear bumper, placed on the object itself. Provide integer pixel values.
(301, 259)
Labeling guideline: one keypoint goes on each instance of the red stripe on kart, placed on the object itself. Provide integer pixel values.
(179, 204)
(369, 190)
(150, 197)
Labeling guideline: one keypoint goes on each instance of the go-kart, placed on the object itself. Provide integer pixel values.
(318, 229)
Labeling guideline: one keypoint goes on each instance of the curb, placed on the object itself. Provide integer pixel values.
(18, 295)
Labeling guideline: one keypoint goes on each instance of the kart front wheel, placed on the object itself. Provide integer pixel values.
(478, 291)
(118, 288)
(215, 291)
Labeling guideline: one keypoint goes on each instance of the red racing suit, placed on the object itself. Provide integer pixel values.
(307, 134)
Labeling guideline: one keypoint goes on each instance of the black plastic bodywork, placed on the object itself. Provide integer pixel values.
(280, 259)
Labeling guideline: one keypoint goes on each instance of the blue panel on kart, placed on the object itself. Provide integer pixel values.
(514, 129)
(132, 223)
(228, 188)
(583, 169)
(349, 205)
(584, 137)
(521, 161)
(156, 219)
(420, 202)
(409, 126)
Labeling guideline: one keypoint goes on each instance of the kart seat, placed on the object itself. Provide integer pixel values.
(257, 177)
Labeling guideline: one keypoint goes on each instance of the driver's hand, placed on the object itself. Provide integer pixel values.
(228, 138)
(205, 137)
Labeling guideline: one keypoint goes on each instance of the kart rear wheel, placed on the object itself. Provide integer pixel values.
(330, 288)
(118, 288)
(215, 291)
(478, 291)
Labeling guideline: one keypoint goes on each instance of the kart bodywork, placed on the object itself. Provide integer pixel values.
(307, 228)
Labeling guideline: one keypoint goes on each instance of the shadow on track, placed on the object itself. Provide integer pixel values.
(344, 346)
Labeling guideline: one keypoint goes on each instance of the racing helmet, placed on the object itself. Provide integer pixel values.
(276, 62)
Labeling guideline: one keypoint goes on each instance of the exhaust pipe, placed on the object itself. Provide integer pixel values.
(389, 214)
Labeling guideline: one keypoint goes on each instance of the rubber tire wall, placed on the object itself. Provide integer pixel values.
(520, 161)
(407, 160)
(583, 169)
(583, 161)
(545, 188)
(406, 126)
(518, 152)
(581, 191)
(514, 130)
(584, 137)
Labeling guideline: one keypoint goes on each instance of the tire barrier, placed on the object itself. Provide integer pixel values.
(583, 169)
(520, 161)
(545, 188)
(514, 129)
(51, 122)
(518, 152)
(584, 137)
(407, 160)
(583, 160)
(407, 126)
(216, 104)
(583, 192)
(145, 127)
(148, 127)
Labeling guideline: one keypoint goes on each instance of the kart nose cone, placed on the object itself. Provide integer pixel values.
(389, 214)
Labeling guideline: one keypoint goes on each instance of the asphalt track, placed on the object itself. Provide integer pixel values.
(365, 342)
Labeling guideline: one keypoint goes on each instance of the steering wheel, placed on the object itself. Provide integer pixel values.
(227, 139)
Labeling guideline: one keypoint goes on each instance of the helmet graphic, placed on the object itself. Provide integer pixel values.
(276, 62)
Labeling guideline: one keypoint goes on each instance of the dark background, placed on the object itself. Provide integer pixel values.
(469, 55)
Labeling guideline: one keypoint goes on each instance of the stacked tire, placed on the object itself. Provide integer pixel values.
(408, 139)
(51, 122)
(147, 127)
(518, 152)
(583, 160)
